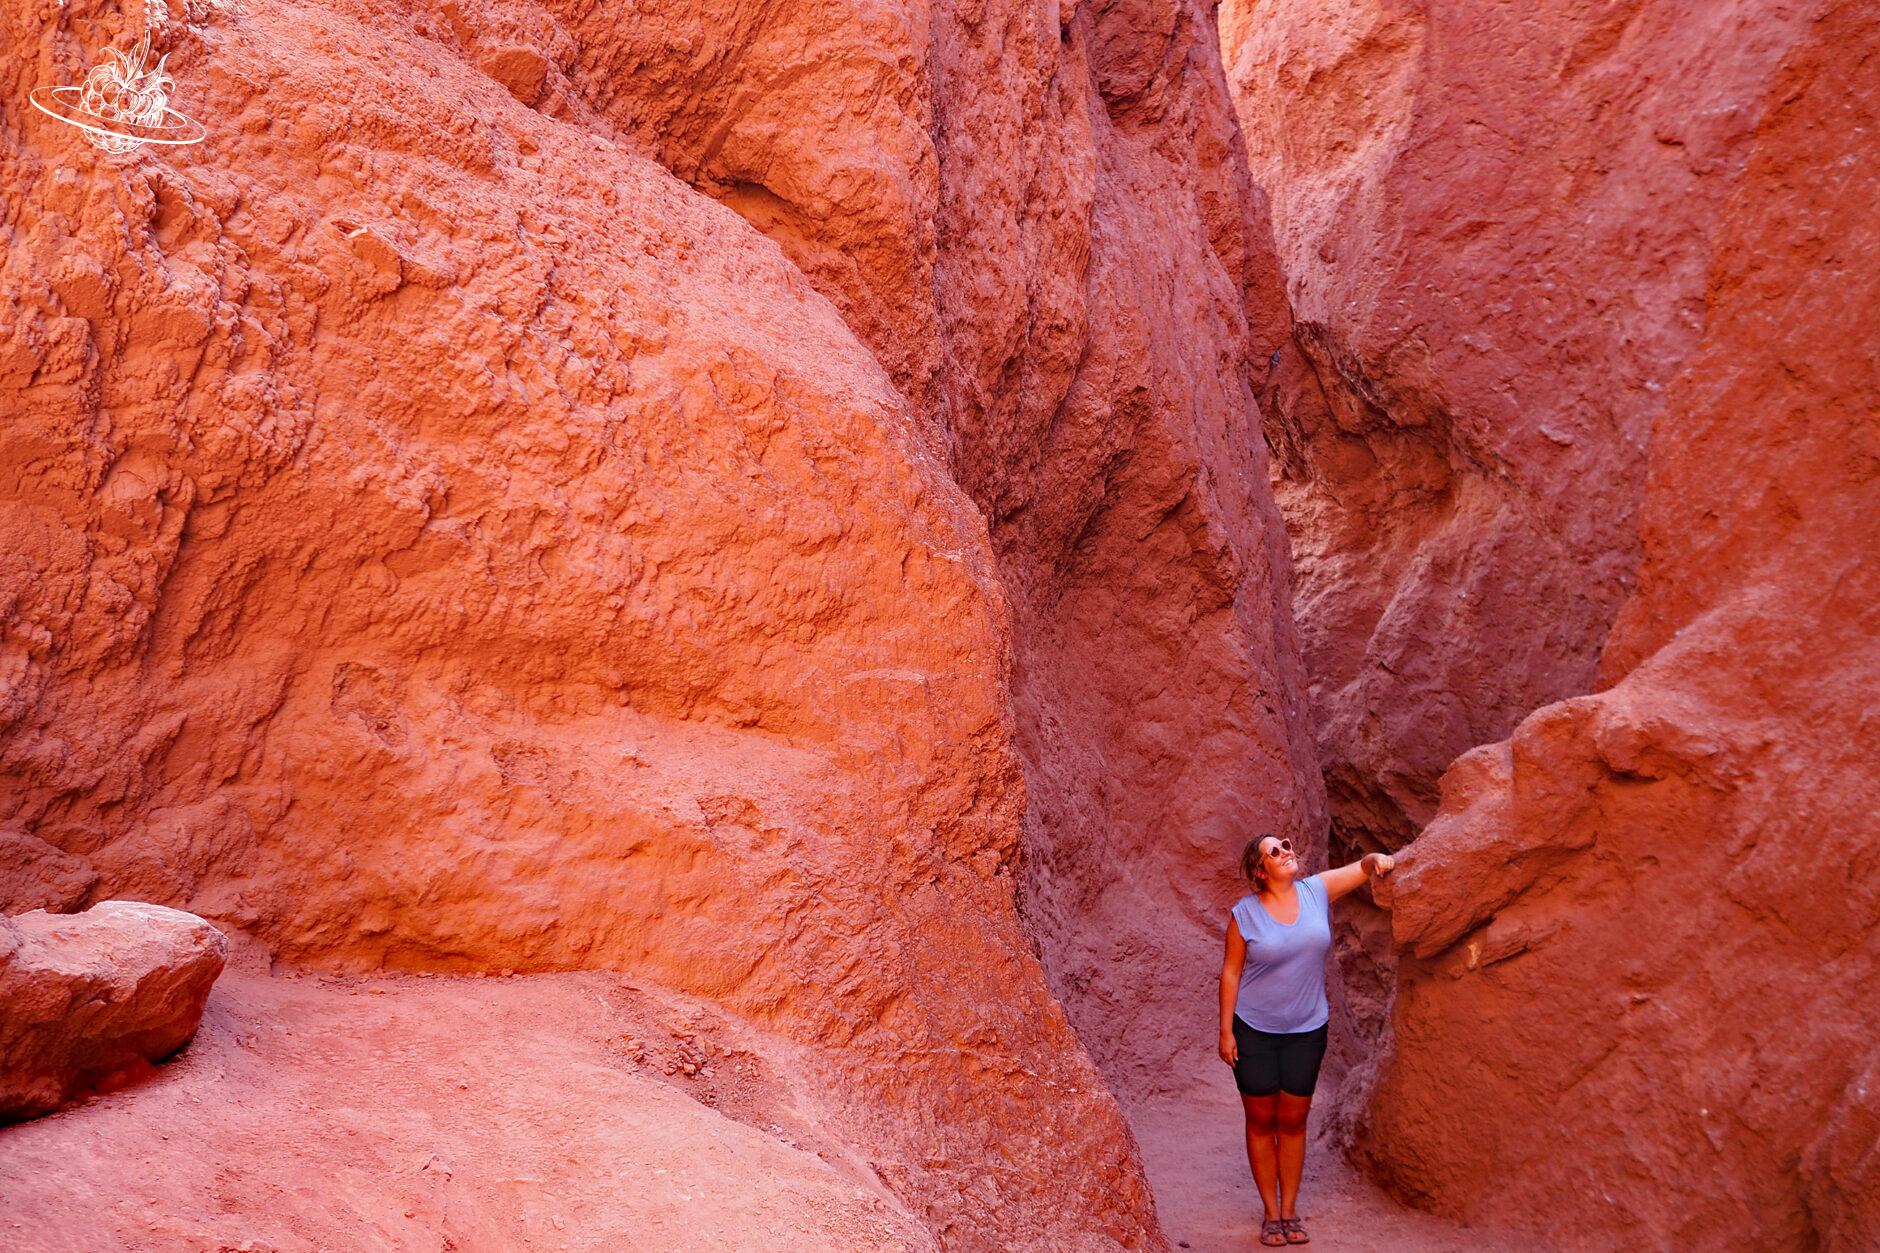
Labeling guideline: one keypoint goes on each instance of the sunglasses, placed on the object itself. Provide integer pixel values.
(1281, 846)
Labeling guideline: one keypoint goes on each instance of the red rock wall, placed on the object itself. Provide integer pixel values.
(1494, 224)
(439, 537)
(1111, 436)
(1681, 868)
(1040, 220)
(1633, 1006)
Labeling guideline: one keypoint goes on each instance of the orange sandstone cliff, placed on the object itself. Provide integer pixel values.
(1039, 219)
(766, 499)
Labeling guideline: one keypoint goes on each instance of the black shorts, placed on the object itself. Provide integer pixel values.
(1277, 1061)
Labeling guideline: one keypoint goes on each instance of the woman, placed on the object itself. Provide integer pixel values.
(1273, 1013)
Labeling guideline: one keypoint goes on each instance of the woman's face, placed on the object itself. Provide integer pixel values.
(1279, 859)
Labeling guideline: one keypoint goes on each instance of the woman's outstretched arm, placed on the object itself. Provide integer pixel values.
(1345, 879)
(1231, 966)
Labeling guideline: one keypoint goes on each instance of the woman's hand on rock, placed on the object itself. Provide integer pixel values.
(1377, 865)
(1230, 1048)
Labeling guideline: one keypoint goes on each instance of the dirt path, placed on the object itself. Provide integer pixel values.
(403, 1113)
(1197, 1162)
(548, 1112)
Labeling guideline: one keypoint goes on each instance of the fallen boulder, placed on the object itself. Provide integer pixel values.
(89, 1000)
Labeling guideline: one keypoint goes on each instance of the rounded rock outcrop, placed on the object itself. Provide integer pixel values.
(90, 1000)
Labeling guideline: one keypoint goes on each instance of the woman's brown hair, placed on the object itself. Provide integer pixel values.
(1252, 865)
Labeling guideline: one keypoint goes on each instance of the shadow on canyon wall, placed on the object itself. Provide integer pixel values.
(1577, 443)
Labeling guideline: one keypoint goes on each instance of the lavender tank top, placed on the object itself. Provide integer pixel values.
(1282, 986)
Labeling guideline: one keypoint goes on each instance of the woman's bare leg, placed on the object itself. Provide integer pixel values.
(1262, 1152)
(1291, 1132)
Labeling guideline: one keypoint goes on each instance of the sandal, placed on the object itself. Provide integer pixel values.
(1295, 1230)
(1273, 1232)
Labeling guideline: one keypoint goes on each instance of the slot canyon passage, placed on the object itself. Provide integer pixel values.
(705, 593)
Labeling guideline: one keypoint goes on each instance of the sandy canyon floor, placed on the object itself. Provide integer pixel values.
(1192, 1147)
(566, 1111)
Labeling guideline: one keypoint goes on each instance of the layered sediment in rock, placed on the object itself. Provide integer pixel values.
(441, 538)
(91, 1000)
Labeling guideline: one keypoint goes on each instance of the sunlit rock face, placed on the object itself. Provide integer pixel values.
(1039, 218)
(1583, 449)
(769, 499)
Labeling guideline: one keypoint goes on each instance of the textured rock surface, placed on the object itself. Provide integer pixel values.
(1039, 218)
(1639, 987)
(1495, 225)
(90, 1000)
(36, 875)
(445, 539)
(440, 538)
(1161, 703)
